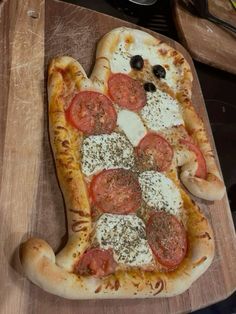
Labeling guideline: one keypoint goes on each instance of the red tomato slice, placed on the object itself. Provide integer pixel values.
(202, 168)
(167, 239)
(96, 262)
(126, 92)
(154, 153)
(116, 191)
(92, 113)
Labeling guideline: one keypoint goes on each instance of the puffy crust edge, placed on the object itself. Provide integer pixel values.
(65, 141)
(212, 188)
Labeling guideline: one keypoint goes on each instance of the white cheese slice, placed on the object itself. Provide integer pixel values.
(161, 111)
(131, 124)
(160, 192)
(126, 235)
(106, 151)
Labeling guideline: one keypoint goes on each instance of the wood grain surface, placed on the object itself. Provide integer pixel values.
(207, 42)
(30, 198)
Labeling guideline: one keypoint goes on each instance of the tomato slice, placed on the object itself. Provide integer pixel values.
(116, 191)
(126, 92)
(96, 262)
(167, 239)
(201, 171)
(92, 113)
(154, 153)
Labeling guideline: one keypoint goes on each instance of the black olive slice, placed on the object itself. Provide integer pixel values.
(149, 87)
(159, 71)
(136, 62)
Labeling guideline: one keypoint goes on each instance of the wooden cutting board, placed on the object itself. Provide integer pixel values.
(31, 33)
(206, 41)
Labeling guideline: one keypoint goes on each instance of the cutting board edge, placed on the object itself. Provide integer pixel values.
(193, 54)
(163, 37)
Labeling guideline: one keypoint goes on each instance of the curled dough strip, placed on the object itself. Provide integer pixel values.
(212, 188)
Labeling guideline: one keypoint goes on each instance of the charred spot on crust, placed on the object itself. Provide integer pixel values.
(59, 127)
(65, 143)
(99, 288)
(117, 284)
(174, 53)
(200, 261)
(76, 226)
(204, 235)
(178, 60)
(160, 286)
(83, 214)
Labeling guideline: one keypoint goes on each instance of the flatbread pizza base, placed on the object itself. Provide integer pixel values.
(55, 273)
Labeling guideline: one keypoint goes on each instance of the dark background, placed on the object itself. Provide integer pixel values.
(219, 91)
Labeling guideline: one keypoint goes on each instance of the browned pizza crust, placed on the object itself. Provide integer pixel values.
(213, 187)
(55, 273)
(65, 143)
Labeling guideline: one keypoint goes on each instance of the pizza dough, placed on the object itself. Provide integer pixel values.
(100, 158)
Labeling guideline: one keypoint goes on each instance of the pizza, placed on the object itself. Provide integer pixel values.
(130, 151)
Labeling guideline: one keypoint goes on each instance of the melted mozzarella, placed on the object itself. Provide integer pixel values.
(161, 111)
(149, 50)
(126, 235)
(160, 192)
(106, 151)
(131, 125)
(120, 61)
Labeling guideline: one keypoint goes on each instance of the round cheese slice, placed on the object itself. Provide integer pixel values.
(126, 235)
